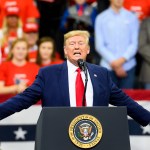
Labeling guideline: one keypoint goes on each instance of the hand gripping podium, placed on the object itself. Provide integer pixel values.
(70, 128)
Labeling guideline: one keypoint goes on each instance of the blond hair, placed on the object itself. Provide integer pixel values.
(83, 33)
(5, 30)
(10, 54)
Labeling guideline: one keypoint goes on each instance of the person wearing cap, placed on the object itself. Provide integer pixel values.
(141, 8)
(11, 29)
(31, 35)
(28, 9)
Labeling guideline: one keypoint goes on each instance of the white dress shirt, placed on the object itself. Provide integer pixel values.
(72, 73)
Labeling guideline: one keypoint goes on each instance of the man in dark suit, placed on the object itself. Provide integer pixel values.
(57, 85)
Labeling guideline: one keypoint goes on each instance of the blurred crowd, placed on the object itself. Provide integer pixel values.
(31, 37)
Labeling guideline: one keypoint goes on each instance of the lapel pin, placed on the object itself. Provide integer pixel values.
(95, 75)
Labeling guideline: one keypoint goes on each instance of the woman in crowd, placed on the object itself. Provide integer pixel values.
(16, 74)
(11, 30)
(46, 52)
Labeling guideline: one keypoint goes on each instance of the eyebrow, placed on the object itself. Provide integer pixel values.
(76, 41)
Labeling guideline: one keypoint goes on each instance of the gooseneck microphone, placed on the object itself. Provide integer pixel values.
(82, 65)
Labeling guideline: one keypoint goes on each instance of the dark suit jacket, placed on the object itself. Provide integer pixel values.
(51, 86)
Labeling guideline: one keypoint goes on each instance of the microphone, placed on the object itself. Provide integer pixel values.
(81, 64)
(83, 67)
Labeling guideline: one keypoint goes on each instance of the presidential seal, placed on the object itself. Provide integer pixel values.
(85, 131)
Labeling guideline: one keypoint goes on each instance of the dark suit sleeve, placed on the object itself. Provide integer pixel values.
(134, 110)
(23, 100)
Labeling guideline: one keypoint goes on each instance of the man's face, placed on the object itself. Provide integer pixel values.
(12, 21)
(117, 3)
(80, 2)
(76, 48)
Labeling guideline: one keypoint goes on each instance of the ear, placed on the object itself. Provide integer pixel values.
(88, 51)
(65, 51)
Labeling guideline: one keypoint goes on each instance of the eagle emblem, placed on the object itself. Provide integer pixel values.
(85, 131)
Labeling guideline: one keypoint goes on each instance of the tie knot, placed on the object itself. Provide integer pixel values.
(78, 70)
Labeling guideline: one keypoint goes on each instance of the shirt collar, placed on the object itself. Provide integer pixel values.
(84, 5)
(71, 67)
(113, 12)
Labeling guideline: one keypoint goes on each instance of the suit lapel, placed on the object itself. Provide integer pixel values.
(97, 87)
(64, 87)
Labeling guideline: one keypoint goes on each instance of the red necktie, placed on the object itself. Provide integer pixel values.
(80, 11)
(79, 89)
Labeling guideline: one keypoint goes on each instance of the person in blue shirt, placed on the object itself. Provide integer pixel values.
(116, 34)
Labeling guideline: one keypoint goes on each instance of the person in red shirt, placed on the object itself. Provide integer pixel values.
(28, 9)
(46, 52)
(17, 73)
(31, 35)
(11, 29)
(140, 7)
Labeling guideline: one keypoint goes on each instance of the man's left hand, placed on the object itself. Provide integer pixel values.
(118, 63)
(120, 72)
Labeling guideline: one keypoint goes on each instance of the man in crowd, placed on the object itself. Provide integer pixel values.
(63, 85)
(116, 33)
(31, 35)
(81, 16)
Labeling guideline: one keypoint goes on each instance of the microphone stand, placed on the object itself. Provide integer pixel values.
(86, 81)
